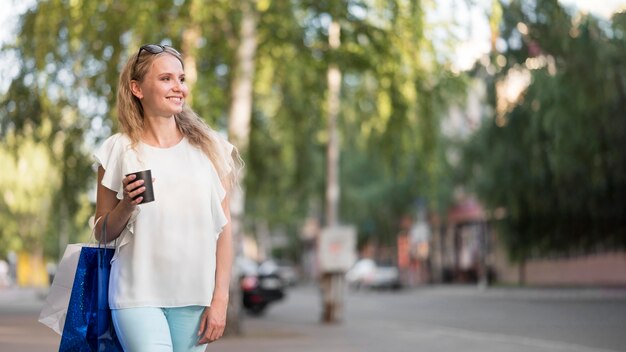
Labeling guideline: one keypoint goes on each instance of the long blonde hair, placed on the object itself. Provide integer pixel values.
(199, 134)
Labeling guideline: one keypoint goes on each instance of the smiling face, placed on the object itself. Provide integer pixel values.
(162, 90)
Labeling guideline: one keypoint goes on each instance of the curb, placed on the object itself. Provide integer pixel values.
(556, 293)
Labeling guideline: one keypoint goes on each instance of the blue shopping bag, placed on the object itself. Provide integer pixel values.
(88, 325)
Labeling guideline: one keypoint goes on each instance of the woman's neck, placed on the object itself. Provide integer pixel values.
(161, 132)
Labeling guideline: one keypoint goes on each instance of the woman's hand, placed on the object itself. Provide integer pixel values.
(131, 190)
(212, 322)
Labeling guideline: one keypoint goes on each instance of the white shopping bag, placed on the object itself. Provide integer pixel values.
(55, 308)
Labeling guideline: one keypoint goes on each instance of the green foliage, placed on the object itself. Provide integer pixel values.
(62, 99)
(395, 87)
(28, 183)
(555, 161)
(393, 94)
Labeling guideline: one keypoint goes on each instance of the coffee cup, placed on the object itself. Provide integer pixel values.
(146, 176)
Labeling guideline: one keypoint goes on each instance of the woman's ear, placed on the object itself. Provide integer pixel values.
(136, 89)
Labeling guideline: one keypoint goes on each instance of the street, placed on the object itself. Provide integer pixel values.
(439, 318)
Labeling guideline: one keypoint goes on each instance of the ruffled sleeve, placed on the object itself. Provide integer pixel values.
(219, 218)
(110, 156)
(225, 155)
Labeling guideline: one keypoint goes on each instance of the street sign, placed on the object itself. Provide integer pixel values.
(337, 248)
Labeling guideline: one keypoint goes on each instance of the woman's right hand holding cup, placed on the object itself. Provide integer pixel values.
(132, 190)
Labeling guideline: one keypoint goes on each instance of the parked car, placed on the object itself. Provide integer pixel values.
(367, 274)
(284, 268)
(260, 285)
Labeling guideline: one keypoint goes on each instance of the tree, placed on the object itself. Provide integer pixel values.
(553, 158)
(393, 92)
(63, 95)
(29, 179)
(395, 86)
(240, 113)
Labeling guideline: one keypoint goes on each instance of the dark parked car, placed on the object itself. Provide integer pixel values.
(259, 287)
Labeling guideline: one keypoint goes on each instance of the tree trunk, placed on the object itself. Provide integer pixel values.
(191, 37)
(334, 90)
(332, 284)
(240, 111)
(239, 132)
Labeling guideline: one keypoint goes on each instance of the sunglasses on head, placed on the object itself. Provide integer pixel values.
(153, 49)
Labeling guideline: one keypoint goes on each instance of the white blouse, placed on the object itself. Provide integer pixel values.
(165, 257)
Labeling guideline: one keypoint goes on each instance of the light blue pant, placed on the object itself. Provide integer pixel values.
(153, 329)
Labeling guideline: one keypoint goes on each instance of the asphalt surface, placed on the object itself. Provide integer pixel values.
(440, 318)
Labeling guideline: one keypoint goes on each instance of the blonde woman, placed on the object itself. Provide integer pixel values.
(169, 281)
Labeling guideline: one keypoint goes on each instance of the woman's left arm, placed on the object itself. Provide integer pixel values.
(213, 319)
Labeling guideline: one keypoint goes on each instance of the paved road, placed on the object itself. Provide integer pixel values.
(428, 319)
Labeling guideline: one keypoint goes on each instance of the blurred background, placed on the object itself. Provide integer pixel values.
(465, 141)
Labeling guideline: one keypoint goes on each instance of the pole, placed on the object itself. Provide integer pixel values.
(332, 283)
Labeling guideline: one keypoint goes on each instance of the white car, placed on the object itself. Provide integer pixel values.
(367, 274)
(284, 269)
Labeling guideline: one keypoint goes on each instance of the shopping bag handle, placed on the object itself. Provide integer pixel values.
(104, 233)
(102, 245)
(92, 238)
(104, 229)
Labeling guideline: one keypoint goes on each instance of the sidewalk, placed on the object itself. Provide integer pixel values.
(428, 318)
(543, 293)
(20, 300)
(294, 325)
(21, 332)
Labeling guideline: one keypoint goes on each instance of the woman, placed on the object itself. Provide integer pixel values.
(170, 274)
